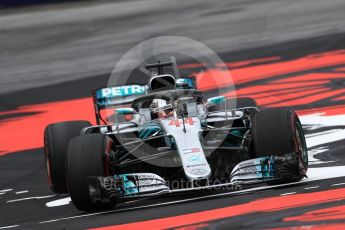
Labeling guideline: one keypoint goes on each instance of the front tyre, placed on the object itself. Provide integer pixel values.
(278, 132)
(56, 139)
(87, 157)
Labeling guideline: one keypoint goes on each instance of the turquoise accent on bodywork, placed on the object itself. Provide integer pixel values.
(172, 143)
(120, 91)
(267, 167)
(237, 133)
(203, 122)
(149, 129)
(112, 96)
(129, 188)
(235, 139)
(124, 111)
(189, 82)
(216, 100)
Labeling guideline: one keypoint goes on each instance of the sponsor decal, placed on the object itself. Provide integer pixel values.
(197, 165)
(120, 91)
(195, 150)
(247, 170)
(247, 164)
(145, 176)
(148, 182)
(194, 158)
(177, 122)
(198, 171)
(192, 150)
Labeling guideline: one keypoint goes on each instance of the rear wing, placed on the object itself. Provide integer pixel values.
(114, 97)
(181, 82)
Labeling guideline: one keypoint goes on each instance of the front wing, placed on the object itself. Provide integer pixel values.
(139, 185)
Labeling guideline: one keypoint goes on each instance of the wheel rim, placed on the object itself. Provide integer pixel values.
(48, 167)
(301, 143)
(48, 163)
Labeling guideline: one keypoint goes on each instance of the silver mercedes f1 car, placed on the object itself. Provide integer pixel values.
(166, 137)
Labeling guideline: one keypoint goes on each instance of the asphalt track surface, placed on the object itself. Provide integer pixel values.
(279, 52)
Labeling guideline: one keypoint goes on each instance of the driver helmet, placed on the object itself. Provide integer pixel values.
(161, 108)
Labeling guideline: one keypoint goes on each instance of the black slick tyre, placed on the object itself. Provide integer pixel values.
(87, 157)
(278, 132)
(56, 139)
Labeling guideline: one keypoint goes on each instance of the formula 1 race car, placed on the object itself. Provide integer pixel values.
(170, 139)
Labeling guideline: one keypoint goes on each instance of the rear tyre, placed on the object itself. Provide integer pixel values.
(87, 157)
(56, 139)
(279, 132)
(234, 103)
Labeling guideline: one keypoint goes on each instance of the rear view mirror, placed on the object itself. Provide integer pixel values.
(125, 111)
(186, 83)
(124, 114)
(216, 100)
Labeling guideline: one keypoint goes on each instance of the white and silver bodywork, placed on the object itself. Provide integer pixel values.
(186, 135)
